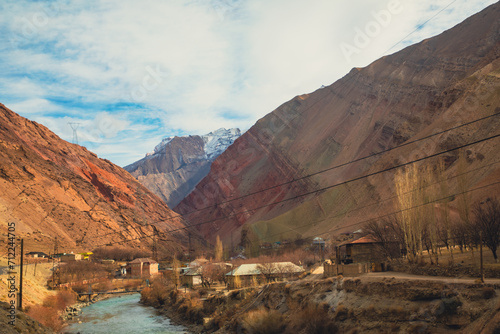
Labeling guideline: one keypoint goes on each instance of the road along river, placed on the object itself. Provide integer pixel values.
(122, 315)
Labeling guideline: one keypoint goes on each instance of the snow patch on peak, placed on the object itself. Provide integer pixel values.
(161, 145)
(215, 142)
(219, 140)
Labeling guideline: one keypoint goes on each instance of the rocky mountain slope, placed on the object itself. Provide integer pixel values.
(51, 188)
(177, 164)
(428, 87)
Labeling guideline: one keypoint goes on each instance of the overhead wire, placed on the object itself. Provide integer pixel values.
(319, 172)
(324, 188)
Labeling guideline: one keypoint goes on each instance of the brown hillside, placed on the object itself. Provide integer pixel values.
(173, 172)
(434, 85)
(51, 188)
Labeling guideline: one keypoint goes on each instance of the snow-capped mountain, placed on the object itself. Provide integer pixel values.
(177, 164)
(215, 142)
(218, 141)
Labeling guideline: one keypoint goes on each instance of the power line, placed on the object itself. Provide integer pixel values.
(392, 213)
(324, 188)
(325, 170)
(346, 182)
(341, 165)
(320, 99)
(380, 201)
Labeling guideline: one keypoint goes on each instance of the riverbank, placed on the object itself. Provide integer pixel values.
(122, 314)
(364, 304)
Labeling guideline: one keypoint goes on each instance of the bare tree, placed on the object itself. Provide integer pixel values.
(487, 222)
(211, 273)
(407, 183)
(284, 269)
(268, 270)
(175, 271)
(389, 234)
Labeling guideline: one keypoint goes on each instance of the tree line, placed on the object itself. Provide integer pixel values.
(423, 222)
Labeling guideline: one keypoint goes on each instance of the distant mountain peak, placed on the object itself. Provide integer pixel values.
(215, 142)
(177, 164)
(218, 141)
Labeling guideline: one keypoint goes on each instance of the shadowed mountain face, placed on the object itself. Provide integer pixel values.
(51, 188)
(429, 87)
(179, 163)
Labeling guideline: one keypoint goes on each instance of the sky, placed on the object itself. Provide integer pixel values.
(123, 74)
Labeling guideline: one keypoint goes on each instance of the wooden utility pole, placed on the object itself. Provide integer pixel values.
(481, 255)
(20, 295)
(55, 269)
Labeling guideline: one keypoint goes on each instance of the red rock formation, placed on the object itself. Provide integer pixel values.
(51, 188)
(434, 85)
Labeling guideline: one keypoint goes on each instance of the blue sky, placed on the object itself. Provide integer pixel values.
(133, 72)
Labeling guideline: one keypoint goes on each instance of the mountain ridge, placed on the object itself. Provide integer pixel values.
(423, 88)
(54, 189)
(177, 164)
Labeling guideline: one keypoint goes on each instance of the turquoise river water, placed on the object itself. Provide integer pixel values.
(122, 315)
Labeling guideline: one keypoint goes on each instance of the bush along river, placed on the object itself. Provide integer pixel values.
(122, 315)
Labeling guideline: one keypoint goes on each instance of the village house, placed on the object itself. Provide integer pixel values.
(364, 249)
(37, 255)
(194, 276)
(259, 273)
(68, 257)
(191, 277)
(142, 267)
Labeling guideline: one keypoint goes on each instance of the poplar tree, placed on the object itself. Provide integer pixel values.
(219, 250)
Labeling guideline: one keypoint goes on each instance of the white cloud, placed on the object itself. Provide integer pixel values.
(195, 66)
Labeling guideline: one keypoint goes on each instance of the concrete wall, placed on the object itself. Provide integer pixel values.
(348, 270)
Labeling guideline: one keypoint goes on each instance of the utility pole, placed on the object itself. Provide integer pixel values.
(55, 269)
(20, 295)
(480, 255)
(320, 252)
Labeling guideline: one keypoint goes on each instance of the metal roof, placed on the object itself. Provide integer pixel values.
(253, 269)
(143, 260)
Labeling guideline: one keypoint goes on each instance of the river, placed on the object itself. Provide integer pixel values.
(122, 315)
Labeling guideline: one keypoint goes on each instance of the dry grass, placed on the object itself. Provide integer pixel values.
(314, 319)
(48, 314)
(264, 321)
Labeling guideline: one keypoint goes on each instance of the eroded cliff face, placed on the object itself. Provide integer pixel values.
(434, 85)
(174, 170)
(51, 188)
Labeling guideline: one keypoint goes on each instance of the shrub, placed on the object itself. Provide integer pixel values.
(488, 292)
(119, 253)
(47, 316)
(157, 295)
(61, 300)
(264, 321)
(448, 306)
(81, 270)
(341, 313)
(315, 319)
